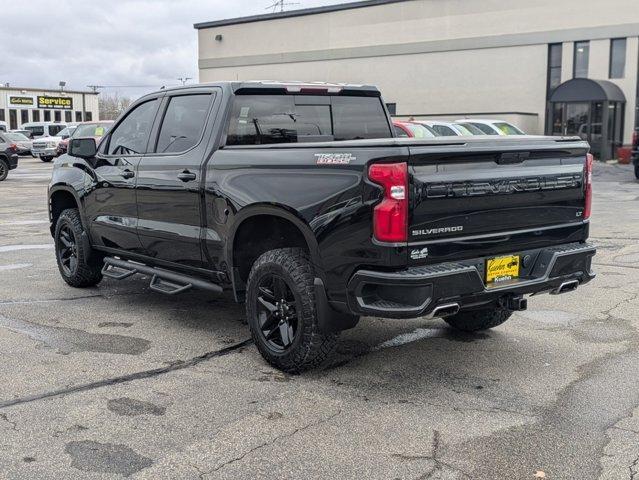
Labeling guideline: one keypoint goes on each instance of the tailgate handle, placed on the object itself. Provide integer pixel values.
(508, 158)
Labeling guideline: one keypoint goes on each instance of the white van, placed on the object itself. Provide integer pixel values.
(43, 129)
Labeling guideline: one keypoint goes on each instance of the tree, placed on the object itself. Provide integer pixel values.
(111, 106)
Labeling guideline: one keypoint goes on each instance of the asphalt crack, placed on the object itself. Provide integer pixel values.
(273, 441)
(4, 418)
(633, 469)
(127, 378)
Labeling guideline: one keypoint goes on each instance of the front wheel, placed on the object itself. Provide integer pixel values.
(477, 320)
(281, 312)
(46, 159)
(77, 266)
(4, 169)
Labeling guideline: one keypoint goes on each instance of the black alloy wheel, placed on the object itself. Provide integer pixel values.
(67, 250)
(4, 169)
(277, 312)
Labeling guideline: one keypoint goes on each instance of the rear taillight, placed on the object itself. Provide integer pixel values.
(390, 217)
(13, 147)
(588, 185)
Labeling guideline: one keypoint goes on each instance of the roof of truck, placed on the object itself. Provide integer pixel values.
(292, 86)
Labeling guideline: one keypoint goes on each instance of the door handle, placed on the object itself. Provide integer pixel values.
(127, 174)
(187, 176)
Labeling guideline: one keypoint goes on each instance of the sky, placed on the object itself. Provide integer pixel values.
(130, 46)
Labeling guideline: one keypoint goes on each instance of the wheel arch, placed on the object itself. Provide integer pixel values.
(62, 197)
(279, 215)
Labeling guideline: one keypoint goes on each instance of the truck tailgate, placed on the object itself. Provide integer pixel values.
(496, 197)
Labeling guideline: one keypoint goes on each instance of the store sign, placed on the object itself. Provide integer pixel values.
(21, 101)
(55, 103)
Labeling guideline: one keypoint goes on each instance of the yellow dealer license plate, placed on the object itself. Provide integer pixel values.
(502, 268)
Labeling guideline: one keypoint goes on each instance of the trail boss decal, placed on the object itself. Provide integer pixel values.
(334, 158)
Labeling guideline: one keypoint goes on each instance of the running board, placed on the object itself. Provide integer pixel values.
(162, 281)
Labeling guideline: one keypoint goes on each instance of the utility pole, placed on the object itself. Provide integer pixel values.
(95, 88)
(184, 79)
(280, 4)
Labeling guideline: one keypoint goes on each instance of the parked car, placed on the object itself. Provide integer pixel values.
(8, 156)
(26, 133)
(3, 126)
(635, 150)
(90, 129)
(412, 130)
(492, 127)
(214, 187)
(44, 129)
(445, 129)
(23, 144)
(46, 148)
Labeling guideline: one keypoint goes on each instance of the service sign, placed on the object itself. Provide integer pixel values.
(21, 101)
(55, 103)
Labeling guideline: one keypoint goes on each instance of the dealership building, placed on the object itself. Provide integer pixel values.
(20, 105)
(567, 67)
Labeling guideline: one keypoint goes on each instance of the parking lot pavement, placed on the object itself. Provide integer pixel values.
(121, 381)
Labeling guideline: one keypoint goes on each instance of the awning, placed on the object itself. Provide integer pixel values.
(587, 90)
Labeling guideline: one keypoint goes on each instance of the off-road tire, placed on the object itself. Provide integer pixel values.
(637, 171)
(88, 270)
(477, 320)
(310, 347)
(4, 169)
(46, 159)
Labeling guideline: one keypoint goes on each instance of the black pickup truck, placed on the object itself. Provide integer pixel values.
(298, 198)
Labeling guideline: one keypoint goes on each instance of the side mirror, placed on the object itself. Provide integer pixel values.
(83, 148)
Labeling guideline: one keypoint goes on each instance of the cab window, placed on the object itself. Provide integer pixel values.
(131, 136)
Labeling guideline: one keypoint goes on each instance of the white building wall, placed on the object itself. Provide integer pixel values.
(433, 57)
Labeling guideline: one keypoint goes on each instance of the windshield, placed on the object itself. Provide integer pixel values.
(471, 128)
(508, 129)
(16, 137)
(90, 130)
(419, 131)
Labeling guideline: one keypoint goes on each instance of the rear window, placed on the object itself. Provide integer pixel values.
(485, 128)
(267, 119)
(444, 131)
(39, 131)
(420, 131)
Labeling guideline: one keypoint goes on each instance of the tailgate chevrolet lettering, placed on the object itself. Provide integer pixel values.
(502, 187)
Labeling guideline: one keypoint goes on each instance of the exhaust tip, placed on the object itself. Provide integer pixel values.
(566, 287)
(446, 310)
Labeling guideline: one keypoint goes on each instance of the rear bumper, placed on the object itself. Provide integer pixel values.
(419, 291)
(13, 161)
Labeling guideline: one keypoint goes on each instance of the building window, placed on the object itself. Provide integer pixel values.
(47, 115)
(88, 116)
(617, 58)
(2, 117)
(68, 116)
(581, 58)
(78, 116)
(554, 66)
(24, 116)
(57, 116)
(36, 115)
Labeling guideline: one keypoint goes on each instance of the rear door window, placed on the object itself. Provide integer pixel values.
(264, 119)
(183, 123)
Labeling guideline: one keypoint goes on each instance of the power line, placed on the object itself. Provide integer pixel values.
(280, 4)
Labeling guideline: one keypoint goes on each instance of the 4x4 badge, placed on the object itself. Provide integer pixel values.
(334, 158)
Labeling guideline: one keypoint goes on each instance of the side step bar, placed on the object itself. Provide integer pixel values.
(162, 281)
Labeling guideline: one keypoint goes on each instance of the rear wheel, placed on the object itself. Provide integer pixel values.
(46, 159)
(476, 320)
(282, 317)
(4, 169)
(77, 267)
